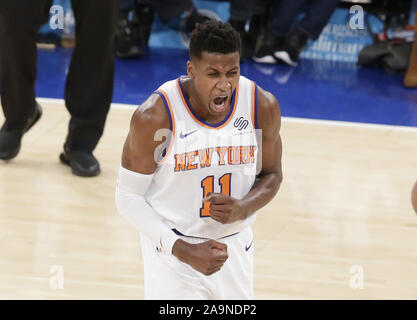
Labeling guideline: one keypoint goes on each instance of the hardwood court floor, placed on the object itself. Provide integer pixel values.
(345, 201)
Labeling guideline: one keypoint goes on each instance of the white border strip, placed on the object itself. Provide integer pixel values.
(340, 123)
(50, 100)
(62, 102)
(332, 123)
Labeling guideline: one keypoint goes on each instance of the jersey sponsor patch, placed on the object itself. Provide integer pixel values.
(241, 123)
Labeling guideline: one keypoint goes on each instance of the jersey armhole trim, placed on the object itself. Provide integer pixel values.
(168, 107)
(254, 105)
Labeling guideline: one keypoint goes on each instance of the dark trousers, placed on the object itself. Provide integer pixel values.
(242, 10)
(89, 86)
(126, 5)
(317, 15)
(169, 9)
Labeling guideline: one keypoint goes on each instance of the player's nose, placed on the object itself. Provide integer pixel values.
(224, 85)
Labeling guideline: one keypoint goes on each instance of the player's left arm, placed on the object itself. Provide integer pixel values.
(226, 209)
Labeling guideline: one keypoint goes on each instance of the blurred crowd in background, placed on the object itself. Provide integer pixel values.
(277, 31)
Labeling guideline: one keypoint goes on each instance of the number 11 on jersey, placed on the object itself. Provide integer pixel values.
(207, 184)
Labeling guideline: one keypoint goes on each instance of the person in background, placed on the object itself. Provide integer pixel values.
(133, 28)
(285, 36)
(242, 12)
(89, 85)
(136, 17)
(133, 32)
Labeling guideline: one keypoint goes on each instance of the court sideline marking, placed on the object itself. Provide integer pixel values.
(285, 119)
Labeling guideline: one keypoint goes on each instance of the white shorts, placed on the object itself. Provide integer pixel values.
(167, 278)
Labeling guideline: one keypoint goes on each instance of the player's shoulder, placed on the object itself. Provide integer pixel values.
(267, 102)
(269, 111)
(151, 115)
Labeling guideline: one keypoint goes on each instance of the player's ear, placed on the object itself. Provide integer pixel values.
(190, 69)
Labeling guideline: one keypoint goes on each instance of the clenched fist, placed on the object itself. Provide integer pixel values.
(207, 257)
(224, 208)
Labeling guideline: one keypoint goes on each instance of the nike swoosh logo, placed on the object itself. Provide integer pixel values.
(183, 136)
(248, 247)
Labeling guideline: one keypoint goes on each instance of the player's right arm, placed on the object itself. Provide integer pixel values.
(135, 176)
(140, 144)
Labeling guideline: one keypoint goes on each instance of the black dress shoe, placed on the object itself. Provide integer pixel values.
(127, 39)
(291, 48)
(82, 163)
(10, 140)
(266, 44)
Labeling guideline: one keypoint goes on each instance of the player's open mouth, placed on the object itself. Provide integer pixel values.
(220, 103)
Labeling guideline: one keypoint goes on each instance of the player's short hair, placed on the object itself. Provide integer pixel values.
(213, 37)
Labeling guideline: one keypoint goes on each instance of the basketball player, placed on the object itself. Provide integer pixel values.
(194, 196)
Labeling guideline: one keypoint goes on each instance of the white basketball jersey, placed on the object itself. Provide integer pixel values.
(200, 158)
